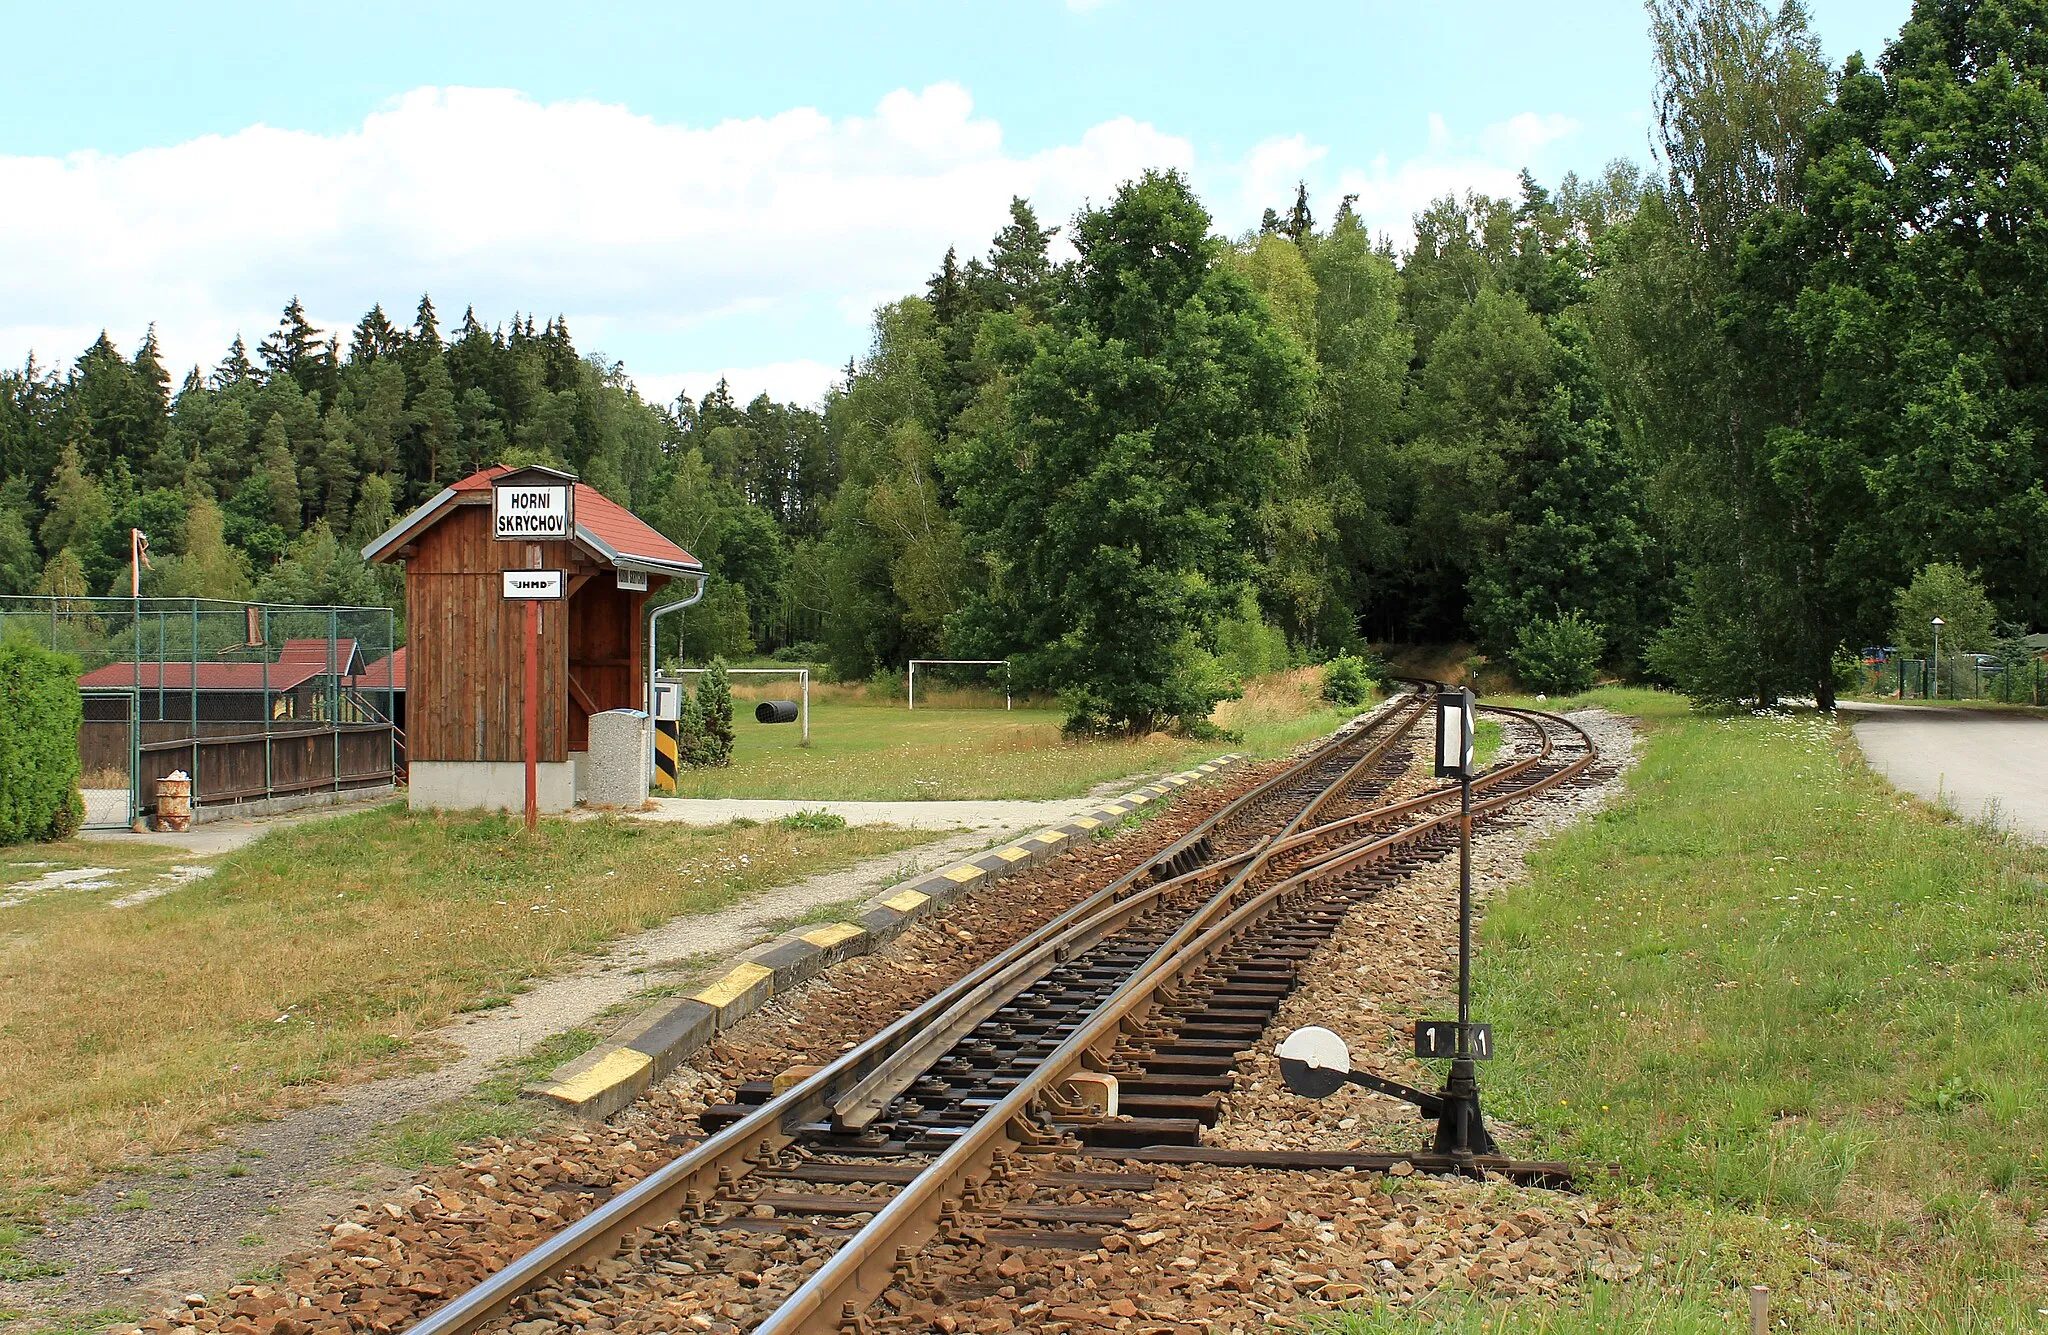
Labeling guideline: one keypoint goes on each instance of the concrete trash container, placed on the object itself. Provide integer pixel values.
(618, 759)
(174, 802)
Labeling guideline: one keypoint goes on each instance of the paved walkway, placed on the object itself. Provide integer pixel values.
(225, 836)
(999, 815)
(1982, 765)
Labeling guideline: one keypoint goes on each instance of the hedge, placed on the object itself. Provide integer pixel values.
(42, 709)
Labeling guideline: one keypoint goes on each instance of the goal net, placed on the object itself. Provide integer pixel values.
(960, 682)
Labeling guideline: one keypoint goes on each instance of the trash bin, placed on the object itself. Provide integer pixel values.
(174, 802)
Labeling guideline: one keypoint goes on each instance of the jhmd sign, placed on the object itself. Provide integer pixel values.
(532, 505)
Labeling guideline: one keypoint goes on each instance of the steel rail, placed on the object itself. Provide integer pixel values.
(696, 1176)
(862, 1268)
(867, 1099)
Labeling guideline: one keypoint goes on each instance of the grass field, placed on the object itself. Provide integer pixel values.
(322, 952)
(1804, 1015)
(883, 751)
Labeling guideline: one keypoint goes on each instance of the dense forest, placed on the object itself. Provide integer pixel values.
(1721, 409)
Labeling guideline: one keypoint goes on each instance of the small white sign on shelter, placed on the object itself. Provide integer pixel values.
(537, 584)
(633, 580)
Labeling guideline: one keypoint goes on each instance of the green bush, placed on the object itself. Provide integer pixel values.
(1558, 655)
(1348, 681)
(1246, 646)
(808, 819)
(39, 797)
(886, 683)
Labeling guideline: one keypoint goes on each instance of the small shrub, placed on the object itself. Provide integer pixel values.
(1348, 681)
(1558, 655)
(886, 683)
(813, 820)
(709, 737)
(1848, 669)
(39, 797)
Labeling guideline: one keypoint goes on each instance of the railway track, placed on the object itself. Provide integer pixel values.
(1114, 1028)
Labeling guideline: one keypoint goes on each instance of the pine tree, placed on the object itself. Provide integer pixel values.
(149, 371)
(294, 350)
(234, 368)
(711, 743)
(280, 476)
(434, 425)
(337, 466)
(943, 290)
(374, 337)
(1018, 261)
(426, 326)
(1300, 222)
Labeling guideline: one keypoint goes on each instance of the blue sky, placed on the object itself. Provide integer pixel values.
(729, 189)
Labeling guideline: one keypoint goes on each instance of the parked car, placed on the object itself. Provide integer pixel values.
(1987, 664)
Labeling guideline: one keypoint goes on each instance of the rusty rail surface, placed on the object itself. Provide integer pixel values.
(694, 1178)
(864, 1266)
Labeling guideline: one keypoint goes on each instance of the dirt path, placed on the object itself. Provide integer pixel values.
(216, 1213)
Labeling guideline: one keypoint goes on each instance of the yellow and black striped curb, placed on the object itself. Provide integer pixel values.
(656, 1041)
(665, 734)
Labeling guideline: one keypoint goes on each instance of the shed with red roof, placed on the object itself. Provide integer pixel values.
(464, 665)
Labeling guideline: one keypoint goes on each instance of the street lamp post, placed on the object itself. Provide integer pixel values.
(1934, 666)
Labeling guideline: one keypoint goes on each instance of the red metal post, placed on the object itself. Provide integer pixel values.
(532, 714)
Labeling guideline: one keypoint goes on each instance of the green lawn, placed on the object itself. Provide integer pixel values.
(883, 751)
(1804, 1015)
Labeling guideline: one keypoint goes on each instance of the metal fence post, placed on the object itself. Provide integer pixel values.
(334, 693)
(192, 667)
(269, 770)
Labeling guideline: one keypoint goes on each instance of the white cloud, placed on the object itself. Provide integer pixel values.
(784, 382)
(1271, 171)
(633, 227)
(760, 246)
(1391, 193)
(1520, 138)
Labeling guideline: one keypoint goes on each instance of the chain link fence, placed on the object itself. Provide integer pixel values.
(254, 701)
(2022, 681)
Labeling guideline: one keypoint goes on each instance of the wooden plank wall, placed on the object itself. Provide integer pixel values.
(604, 652)
(467, 663)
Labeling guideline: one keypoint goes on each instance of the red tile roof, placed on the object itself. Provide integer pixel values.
(347, 657)
(212, 676)
(386, 671)
(603, 518)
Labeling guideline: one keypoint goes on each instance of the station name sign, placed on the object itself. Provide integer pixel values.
(538, 584)
(531, 512)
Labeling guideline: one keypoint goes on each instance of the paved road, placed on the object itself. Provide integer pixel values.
(1982, 765)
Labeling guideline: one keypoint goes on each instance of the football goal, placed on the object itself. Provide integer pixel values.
(917, 663)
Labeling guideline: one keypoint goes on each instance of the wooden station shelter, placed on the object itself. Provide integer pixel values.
(466, 642)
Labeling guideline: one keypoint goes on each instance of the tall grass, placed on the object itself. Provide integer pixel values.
(1763, 982)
